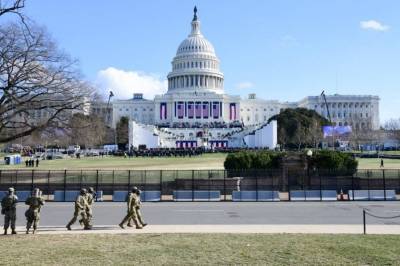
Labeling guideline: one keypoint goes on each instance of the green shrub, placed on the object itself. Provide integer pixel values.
(245, 160)
(240, 160)
(334, 161)
(323, 160)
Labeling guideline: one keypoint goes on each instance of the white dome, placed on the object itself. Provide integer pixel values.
(195, 44)
(195, 66)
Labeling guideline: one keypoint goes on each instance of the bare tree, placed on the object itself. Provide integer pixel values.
(12, 7)
(40, 86)
(392, 124)
(392, 128)
(87, 130)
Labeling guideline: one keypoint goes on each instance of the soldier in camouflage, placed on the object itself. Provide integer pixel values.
(81, 206)
(90, 198)
(9, 210)
(32, 215)
(130, 221)
(138, 206)
(132, 201)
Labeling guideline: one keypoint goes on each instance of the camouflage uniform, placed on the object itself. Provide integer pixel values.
(80, 209)
(9, 209)
(138, 212)
(130, 221)
(32, 215)
(132, 204)
(89, 211)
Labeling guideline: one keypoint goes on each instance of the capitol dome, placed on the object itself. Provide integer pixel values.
(195, 66)
(194, 44)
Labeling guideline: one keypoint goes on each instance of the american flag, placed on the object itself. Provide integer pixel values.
(198, 110)
(215, 110)
(205, 110)
(232, 111)
(190, 110)
(163, 111)
(181, 110)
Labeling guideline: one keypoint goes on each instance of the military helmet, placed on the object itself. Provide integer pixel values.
(83, 191)
(134, 189)
(11, 190)
(90, 190)
(35, 192)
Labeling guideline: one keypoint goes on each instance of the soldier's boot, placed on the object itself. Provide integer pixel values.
(87, 226)
(126, 219)
(141, 221)
(81, 222)
(130, 223)
(68, 226)
(27, 230)
(13, 232)
(5, 231)
(138, 226)
(34, 230)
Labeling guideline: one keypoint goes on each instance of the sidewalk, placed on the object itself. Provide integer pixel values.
(233, 229)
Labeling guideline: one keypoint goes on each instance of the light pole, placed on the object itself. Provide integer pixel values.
(110, 95)
(309, 155)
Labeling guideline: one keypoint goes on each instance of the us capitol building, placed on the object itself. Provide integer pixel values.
(196, 111)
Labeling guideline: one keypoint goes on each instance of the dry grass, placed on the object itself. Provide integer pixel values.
(203, 249)
(205, 161)
(375, 163)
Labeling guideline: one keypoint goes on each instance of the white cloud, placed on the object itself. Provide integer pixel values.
(244, 85)
(125, 83)
(373, 25)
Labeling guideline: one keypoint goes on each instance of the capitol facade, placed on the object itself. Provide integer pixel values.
(196, 111)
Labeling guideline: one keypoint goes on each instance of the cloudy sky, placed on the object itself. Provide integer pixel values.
(279, 49)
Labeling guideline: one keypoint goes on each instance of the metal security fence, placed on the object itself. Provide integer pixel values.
(212, 185)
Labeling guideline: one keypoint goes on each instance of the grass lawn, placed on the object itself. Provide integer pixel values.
(201, 249)
(374, 163)
(205, 161)
(391, 152)
(212, 161)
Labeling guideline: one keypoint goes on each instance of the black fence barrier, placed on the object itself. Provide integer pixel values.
(368, 213)
(212, 185)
